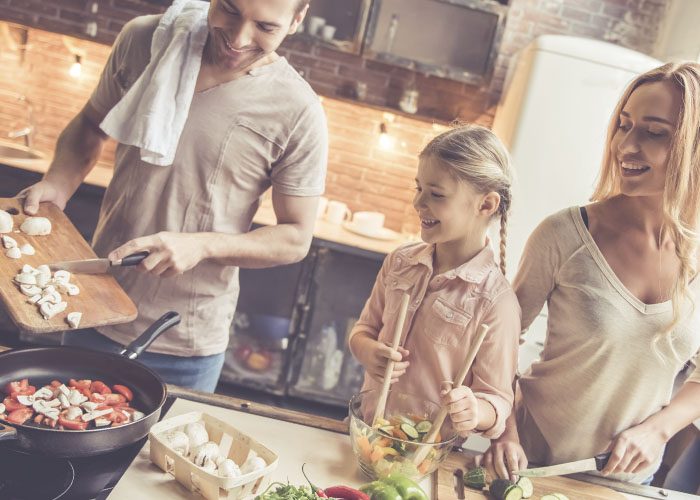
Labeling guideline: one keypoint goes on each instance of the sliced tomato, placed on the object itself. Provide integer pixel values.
(74, 425)
(98, 398)
(124, 391)
(113, 399)
(20, 416)
(101, 387)
(16, 386)
(80, 384)
(118, 417)
(24, 391)
(12, 404)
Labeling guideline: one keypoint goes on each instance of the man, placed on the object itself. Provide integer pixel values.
(253, 123)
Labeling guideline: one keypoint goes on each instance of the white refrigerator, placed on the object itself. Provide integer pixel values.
(553, 116)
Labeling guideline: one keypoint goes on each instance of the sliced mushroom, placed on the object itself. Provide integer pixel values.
(102, 422)
(74, 413)
(14, 253)
(76, 397)
(74, 318)
(92, 415)
(8, 241)
(6, 222)
(43, 393)
(43, 279)
(49, 310)
(72, 289)
(27, 249)
(61, 276)
(30, 290)
(36, 226)
(34, 299)
(26, 400)
(25, 279)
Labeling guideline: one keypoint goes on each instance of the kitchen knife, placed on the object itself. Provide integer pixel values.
(97, 266)
(596, 463)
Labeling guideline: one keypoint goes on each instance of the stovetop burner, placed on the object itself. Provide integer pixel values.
(26, 477)
(34, 477)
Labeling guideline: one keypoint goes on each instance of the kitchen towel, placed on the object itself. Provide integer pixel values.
(152, 113)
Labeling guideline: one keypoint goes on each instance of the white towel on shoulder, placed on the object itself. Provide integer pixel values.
(152, 114)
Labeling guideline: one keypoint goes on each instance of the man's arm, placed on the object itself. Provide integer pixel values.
(268, 246)
(285, 243)
(77, 150)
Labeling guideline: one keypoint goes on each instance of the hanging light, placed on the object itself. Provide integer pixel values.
(386, 141)
(76, 68)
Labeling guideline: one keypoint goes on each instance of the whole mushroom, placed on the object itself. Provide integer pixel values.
(6, 222)
(36, 226)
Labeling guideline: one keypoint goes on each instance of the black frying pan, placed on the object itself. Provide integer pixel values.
(41, 365)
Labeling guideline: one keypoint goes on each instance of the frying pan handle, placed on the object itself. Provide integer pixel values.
(7, 432)
(168, 320)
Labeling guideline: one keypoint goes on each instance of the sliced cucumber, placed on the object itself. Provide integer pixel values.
(410, 431)
(386, 430)
(502, 489)
(475, 478)
(424, 426)
(527, 486)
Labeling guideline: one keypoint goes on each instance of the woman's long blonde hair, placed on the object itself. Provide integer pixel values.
(478, 157)
(681, 197)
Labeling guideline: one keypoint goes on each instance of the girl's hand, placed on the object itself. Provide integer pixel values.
(462, 406)
(634, 450)
(375, 355)
(503, 457)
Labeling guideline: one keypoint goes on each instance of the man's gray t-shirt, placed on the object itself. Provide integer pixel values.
(266, 128)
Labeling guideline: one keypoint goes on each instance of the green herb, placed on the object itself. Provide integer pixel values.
(287, 492)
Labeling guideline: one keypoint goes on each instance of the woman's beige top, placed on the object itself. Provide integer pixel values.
(598, 374)
(443, 315)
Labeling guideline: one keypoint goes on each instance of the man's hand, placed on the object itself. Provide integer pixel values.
(42, 191)
(462, 406)
(170, 254)
(504, 456)
(634, 450)
(375, 355)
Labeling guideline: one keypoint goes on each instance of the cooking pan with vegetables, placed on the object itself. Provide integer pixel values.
(123, 377)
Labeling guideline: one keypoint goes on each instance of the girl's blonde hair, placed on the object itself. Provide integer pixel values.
(681, 197)
(478, 157)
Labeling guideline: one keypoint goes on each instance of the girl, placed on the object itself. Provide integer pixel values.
(620, 280)
(463, 183)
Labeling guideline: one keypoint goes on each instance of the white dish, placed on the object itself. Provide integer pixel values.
(383, 233)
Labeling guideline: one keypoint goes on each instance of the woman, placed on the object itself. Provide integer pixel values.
(618, 279)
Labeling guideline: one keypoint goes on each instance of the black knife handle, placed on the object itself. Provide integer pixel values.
(134, 259)
(601, 460)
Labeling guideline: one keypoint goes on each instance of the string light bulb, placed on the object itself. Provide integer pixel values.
(76, 68)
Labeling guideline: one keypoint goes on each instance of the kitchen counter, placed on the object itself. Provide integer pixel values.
(101, 176)
(330, 463)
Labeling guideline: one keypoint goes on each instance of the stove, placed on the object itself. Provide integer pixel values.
(33, 477)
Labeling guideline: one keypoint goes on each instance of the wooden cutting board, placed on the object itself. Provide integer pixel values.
(575, 490)
(101, 300)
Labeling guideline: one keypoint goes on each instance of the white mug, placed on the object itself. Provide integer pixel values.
(327, 32)
(337, 212)
(322, 206)
(370, 221)
(315, 24)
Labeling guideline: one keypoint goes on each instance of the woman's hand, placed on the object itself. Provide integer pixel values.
(462, 406)
(170, 254)
(635, 449)
(375, 355)
(504, 456)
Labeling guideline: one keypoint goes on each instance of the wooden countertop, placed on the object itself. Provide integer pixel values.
(101, 176)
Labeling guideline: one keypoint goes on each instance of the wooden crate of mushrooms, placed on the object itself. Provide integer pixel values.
(40, 301)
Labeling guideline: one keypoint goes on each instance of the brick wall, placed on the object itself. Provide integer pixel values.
(360, 173)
